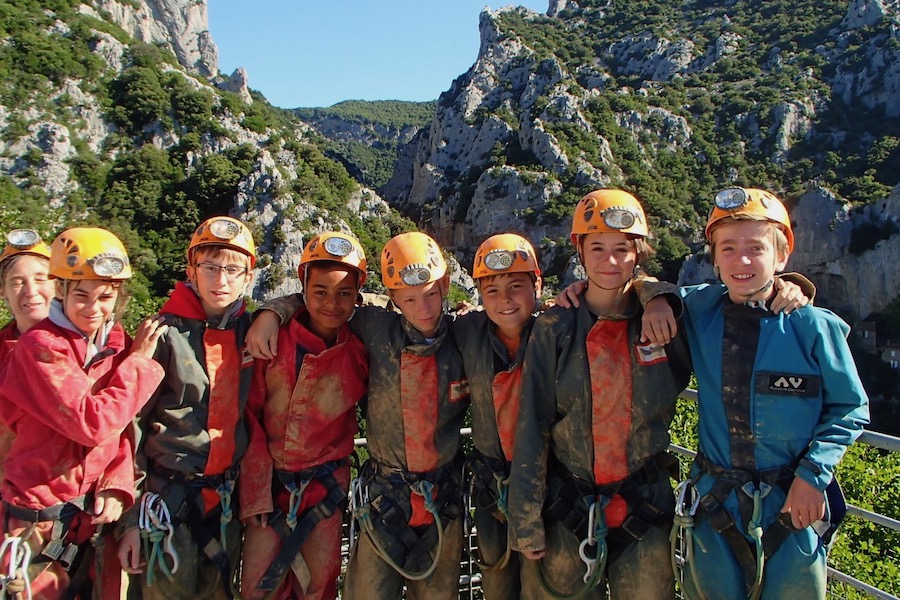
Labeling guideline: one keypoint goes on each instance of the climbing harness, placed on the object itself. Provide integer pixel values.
(157, 536)
(295, 527)
(16, 580)
(751, 488)
(185, 505)
(487, 490)
(681, 538)
(388, 513)
(594, 565)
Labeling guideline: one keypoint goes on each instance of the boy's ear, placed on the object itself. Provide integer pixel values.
(60, 290)
(538, 287)
(444, 283)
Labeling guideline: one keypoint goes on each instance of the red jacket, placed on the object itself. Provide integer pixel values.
(302, 408)
(70, 422)
(9, 335)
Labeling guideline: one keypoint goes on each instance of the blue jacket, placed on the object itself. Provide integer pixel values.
(805, 396)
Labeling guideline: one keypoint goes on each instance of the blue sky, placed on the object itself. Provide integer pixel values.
(301, 54)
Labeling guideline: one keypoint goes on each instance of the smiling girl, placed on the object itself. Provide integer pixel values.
(70, 388)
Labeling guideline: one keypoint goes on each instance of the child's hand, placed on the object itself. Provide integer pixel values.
(262, 338)
(130, 552)
(805, 503)
(147, 335)
(108, 507)
(569, 296)
(788, 296)
(658, 324)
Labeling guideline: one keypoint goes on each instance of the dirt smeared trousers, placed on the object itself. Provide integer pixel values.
(193, 436)
(495, 384)
(594, 417)
(302, 418)
(70, 417)
(779, 398)
(417, 398)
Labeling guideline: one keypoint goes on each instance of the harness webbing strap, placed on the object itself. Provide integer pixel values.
(712, 505)
(293, 538)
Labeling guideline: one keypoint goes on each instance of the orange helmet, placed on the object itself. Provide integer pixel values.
(88, 253)
(335, 247)
(505, 253)
(24, 241)
(732, 202)
(223, 231)
(609, 211)
(411, 259)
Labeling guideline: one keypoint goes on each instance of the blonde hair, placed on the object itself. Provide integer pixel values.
(225, 253)
(781, 242)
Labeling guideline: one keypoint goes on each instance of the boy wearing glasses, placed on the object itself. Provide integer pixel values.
(192, 431)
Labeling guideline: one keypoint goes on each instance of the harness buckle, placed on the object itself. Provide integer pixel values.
(53, 550)
(636, 527)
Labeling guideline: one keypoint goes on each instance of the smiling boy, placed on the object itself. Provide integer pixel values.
(302, 418)
(412, 533)
(193, 429)
(780, 400)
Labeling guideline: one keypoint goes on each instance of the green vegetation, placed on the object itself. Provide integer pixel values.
(777, 56)
(381, 125)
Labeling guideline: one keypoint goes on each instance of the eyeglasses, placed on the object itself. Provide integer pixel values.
(212, 271)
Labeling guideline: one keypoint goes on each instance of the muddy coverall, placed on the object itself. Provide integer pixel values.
(779, 398)
(71, 420)
(495, 384)
(193, 436)
(302, 419)
(593, 422)
(417, 399)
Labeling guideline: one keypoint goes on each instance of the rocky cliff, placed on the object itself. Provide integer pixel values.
(180, 25)
(673, 105)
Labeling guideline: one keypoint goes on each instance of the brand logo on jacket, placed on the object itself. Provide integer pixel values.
(788, 384)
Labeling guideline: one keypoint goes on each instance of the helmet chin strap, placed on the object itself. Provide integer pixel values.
(764, 288)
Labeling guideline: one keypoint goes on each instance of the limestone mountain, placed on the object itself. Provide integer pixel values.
(368, 136)
(673, 101)
(113, 113)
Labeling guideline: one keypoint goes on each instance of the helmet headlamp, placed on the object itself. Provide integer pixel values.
(107, 265)
(23, 239)
(731, 198)
(499, 260)
(224, 229)
(415, 274)
(618, 217)
(337, 246)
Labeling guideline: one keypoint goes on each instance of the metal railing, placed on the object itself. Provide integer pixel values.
(470, 579)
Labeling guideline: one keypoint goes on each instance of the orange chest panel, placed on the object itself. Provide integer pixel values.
(609, 360)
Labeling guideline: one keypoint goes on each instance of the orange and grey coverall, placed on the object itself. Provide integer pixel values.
(70, 417)
(302, 419)
(193, 438)
(594, 416)
(495, 383)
